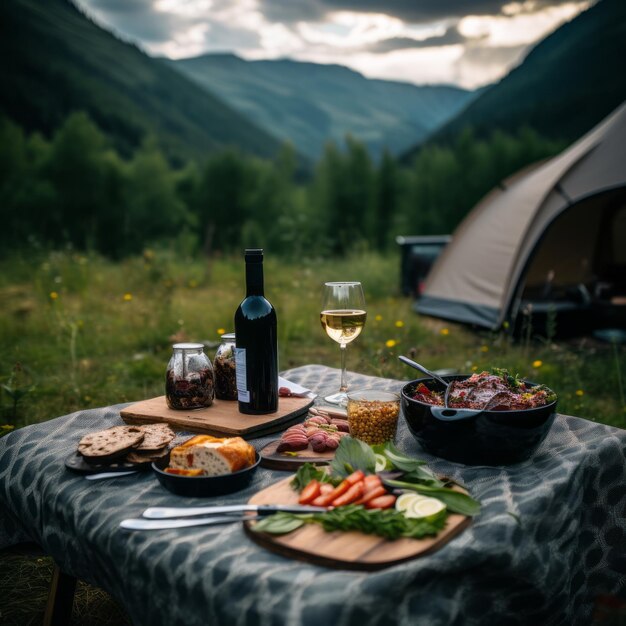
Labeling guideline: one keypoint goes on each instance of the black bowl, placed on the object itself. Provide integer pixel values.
(482, 438)
(204, 486)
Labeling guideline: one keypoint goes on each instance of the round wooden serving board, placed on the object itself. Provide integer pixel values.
(280, 461)
(344, 550)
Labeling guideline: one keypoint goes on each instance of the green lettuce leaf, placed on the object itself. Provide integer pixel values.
(352, 455)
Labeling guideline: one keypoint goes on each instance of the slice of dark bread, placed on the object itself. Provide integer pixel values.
(146, 457)
(112, 443)
(157, 436)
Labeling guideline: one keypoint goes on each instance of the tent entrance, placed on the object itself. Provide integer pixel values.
(576, 277)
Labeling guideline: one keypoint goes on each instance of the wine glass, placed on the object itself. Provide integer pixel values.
(343, 317)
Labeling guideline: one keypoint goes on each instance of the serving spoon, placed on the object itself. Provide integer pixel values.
(444, 413)
(424, 370)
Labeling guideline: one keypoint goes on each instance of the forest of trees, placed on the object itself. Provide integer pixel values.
(74, 189)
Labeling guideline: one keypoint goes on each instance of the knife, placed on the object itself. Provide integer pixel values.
(158, 512)
(108, 475)
(152, 524)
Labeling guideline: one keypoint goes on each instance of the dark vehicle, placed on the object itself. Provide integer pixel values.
(417, 255)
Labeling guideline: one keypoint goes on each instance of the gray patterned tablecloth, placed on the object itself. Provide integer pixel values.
(550, 538)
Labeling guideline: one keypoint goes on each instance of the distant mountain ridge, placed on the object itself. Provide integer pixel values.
(55, 60)
(309, 104)
(568, 83)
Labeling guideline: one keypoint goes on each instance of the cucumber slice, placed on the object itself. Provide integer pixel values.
(424, 507)
(381, 463)
(407, 500)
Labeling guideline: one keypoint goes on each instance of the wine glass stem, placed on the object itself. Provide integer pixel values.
(344, 380)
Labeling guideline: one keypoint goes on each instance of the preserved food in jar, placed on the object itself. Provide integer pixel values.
(224, 366)
(189, 381)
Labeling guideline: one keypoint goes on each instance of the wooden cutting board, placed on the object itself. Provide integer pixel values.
(221, 418)
(344, 550)
(277, 460)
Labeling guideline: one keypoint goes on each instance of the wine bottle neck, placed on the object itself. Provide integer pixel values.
(254, 279)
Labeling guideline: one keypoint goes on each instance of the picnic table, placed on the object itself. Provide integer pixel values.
(547, 544)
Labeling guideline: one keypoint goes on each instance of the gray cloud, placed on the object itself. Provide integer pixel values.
(450, 37)
(136, 20)
(139, 21)
(121, 6)
(414, 11)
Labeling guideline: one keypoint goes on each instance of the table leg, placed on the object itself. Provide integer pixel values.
(60, 599)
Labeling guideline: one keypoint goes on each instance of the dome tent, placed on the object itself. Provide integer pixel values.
(553, 235)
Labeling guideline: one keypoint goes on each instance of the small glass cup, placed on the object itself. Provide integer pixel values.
(373, 415)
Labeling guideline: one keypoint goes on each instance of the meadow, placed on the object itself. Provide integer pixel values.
(78, 331)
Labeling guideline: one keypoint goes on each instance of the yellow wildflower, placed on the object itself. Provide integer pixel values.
(53, 295)
(7, 427)
(484, 348)
(474, 368)
(537, 363)
(399, 324)
(580, 392)
(390, 343)
(221, 331)
(445, 331)
(128, 297)
(378, 318)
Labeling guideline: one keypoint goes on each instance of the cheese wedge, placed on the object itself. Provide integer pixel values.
(212, 455)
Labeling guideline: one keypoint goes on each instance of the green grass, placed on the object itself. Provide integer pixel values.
(24, 583)
(77, 331)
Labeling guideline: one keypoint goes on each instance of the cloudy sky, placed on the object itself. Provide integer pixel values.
(465, 42)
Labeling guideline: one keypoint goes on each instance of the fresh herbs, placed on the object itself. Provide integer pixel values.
(308, 472)
(279, 523)
(351, 455)
(388, 523)
(512, 381)
(456, 501)
(414, 470)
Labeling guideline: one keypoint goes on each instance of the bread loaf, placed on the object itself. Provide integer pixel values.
(214, 456)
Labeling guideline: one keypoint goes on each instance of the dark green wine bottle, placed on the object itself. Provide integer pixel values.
(256, 352)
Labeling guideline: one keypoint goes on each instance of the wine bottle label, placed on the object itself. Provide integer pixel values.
(243, 395)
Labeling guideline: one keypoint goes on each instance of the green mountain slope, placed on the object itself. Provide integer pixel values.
(54, 60)
(308, 103)
(568, 83)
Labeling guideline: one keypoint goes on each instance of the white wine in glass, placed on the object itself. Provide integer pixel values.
(343, 318)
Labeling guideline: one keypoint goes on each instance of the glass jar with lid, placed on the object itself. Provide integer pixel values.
(225, 374)
(189, 381)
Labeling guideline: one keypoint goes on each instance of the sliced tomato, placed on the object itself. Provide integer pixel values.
(355, 477)
(370, 494)
(372, 480)
(310, 492)
(353, 494)
(382, 502)
(326, 498)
